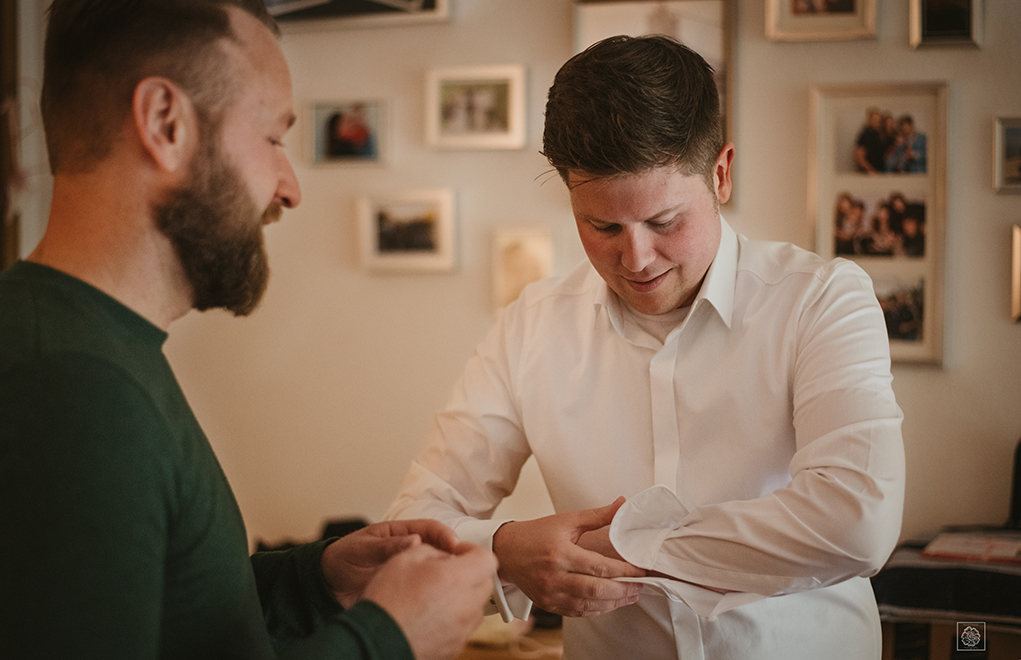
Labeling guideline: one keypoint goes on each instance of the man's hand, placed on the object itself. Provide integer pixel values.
(436, 597)
(543, 558)
(351, 561)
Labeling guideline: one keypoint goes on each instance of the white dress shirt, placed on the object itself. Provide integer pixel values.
(759, 447)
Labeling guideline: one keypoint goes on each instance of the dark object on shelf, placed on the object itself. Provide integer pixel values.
(1015, 498)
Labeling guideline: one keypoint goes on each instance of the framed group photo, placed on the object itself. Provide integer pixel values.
(877, 188)
(820, 20)
(410, 231)
(352, 132)
(704, 26)
(479, 107)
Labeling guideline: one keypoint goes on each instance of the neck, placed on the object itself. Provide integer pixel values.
(101, 231)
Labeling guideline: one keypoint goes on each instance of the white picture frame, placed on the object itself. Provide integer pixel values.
(820, 20)
(407, 232)
(475, 107)
(348, 132)
(890, 222)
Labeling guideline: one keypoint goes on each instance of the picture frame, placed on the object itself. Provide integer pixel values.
(521, 255)
(1015, 274)
(1007, 155)
(705, 26)
(890, 221)
(349, 132)
(475, 107)
(312, 15)
(820, 20)
(406, 232)
(945, 23)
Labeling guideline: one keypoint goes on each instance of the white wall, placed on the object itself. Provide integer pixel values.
(317, 403)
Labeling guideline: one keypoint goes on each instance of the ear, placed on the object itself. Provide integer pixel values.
(721, 176)
(165, 121)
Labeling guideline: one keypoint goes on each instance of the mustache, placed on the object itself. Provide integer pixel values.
(272, 212)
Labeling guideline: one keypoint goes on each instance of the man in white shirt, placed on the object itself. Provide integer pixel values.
(736, 392)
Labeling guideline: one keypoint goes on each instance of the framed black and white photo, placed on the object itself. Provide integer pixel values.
(410, 231)
(877, 187)
(702, 25)
(1007, 155)
(945, 23)
(476, 107)
(820, 20)
(348, 132)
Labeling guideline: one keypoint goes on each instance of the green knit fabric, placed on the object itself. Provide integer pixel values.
(120, 535)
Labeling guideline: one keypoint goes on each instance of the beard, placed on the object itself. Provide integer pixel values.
(216, 231)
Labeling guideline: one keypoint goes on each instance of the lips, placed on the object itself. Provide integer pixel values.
(646, 285)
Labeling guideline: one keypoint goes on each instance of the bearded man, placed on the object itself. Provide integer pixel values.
(164, 122)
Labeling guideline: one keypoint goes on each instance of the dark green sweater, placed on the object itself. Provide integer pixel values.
(119, 534)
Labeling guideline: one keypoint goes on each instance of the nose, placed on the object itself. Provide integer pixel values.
(637, 251)
(288, 192)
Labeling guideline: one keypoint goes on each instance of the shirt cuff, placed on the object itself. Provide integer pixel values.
(637, 532)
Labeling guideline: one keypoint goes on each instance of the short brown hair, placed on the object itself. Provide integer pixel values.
(97, 51)
(629, 104)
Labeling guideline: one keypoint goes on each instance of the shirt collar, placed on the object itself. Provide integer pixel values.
(717, 289)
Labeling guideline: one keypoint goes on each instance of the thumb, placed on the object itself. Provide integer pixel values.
(387, 547)
(590, 519)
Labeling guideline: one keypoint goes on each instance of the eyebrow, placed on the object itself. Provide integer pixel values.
(672, 209)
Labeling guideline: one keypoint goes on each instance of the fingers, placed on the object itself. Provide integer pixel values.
(589, 519)
(583, 595)
(432, 532)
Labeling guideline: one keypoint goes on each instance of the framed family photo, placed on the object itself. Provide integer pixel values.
(521, 255)
(411, 231)
(351, 132)
(1007, 155)
(702, 25)
(945, 23)
(877, 187)
(480, 107)
(820, 20)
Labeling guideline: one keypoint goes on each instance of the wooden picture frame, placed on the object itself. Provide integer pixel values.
(476, 107)
(820, 20)
(705, 27)
(1007, 155)
(891, 221)
(406, 232)
(945, 23)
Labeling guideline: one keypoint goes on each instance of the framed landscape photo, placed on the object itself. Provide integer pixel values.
(702, 25)
(945, 23)
(521, 255)
(877, 196)
(479, 107)
(350, 132)
(1007, 155)
(411, 231)
(820, 20)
